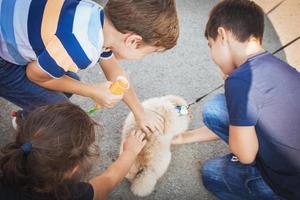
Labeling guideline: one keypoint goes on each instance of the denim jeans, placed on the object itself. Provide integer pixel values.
(18, 89)
(226, 177)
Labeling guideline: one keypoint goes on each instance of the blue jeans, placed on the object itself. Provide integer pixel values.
(18, 89)
(226, 177)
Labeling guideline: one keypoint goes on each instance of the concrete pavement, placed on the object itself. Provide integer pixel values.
(187, 71)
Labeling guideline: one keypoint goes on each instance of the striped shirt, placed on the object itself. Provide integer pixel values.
(62, 35)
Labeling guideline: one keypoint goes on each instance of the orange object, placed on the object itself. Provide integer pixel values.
(118, 87)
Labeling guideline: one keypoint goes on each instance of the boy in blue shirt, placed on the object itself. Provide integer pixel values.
(43, 43)
(258, 116)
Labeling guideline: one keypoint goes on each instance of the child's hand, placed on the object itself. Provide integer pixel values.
(110, 178)
(135, 142)
(103, 96)
(149, 122)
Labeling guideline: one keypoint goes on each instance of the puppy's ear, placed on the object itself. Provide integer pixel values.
(175, 100)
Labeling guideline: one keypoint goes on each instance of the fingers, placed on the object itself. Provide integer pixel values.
(160, 127)
(152, 128)
(132, 133)
(112, 100)
(138, 134)
(116, 97)
(106, 105)
(104, 97)
(160, 118)
(135, 142)
(105, 84)
(144, 142)
(146, 130)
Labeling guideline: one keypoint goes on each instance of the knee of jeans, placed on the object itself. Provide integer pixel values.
(215, 110)
(211, 173)
(73, 75)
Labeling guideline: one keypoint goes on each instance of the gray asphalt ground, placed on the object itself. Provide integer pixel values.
(187, 71)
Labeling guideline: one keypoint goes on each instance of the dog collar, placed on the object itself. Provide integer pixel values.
(182, 110)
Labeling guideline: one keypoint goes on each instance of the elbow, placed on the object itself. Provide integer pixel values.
(31, 74)
(246, 152)
(245, 156)
(246, 159)
(35, 74)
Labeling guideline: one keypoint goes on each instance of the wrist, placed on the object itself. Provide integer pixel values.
(130, 154)
(138, 112)
(88, 91)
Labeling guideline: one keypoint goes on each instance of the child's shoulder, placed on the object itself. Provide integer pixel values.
(88, 3)
(83, 5)
(255, 68)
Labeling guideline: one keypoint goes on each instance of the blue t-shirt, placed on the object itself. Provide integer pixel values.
(265, 92)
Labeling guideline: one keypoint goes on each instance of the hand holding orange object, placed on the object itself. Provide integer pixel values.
(117, 88)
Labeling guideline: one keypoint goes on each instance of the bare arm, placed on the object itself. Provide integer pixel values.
(147, 120)
(112, 70)
(202, 134)
(63, 84)
(107, 181)
(98, 92)
(243, 143)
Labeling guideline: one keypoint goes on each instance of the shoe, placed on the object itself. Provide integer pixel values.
(234, 159)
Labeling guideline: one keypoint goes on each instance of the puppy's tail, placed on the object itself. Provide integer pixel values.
(144, 183)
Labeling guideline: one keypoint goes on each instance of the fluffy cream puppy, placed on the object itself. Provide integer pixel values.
(154, 159)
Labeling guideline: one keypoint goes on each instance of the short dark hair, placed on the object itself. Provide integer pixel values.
(156, 21)
(62, 138)
(243, 18)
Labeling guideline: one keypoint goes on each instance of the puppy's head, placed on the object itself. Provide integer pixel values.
(179, 104)
(175, 120)
(165, 107)
(176, 100)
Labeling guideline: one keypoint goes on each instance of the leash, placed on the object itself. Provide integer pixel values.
(203, 96)
(184, 110)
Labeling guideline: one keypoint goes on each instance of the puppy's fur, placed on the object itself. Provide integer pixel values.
(154, 159)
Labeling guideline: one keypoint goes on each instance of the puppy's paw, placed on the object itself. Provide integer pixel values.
(143, 184)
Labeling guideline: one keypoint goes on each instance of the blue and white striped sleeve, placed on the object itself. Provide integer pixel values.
(106, 55)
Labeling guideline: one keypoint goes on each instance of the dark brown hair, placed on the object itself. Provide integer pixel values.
(62, 138)
(155, 21)
(243, 18)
